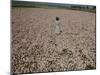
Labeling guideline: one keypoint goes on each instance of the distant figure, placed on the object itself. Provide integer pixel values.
(57, 26)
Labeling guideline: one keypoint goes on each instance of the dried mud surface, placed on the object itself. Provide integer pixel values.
(36, 48)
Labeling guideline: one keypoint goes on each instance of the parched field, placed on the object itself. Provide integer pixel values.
(36, 48)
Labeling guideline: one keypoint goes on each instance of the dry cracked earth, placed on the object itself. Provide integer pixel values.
(36, 48)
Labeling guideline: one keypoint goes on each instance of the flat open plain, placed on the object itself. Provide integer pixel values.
(36, 48)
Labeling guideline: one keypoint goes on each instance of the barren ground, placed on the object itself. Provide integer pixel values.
(36, 48)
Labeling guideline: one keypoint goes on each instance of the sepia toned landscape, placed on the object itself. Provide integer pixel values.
(36, 48)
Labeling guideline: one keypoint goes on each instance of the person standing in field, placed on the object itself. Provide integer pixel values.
(57, 26)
